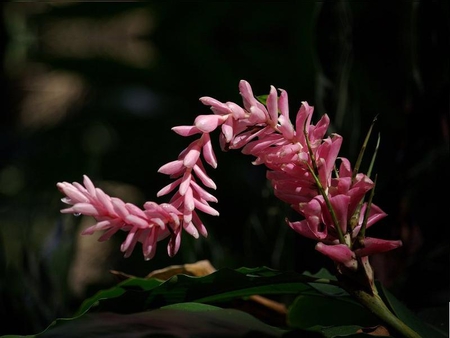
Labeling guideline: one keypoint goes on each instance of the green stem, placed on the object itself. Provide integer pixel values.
(376, 305)
(373, 302)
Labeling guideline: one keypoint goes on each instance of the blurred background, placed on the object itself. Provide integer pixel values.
(94, 88)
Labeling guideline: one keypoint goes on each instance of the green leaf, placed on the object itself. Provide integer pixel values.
(328, 311)
(409, 317)
(116, 291)
(181, 320)
(222, 285)
(127, 302)
(262, 98)
(326, 289)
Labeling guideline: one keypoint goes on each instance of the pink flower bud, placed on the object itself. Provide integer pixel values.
(186, 130)
(171, 168)
(208, 123)
(208, 152)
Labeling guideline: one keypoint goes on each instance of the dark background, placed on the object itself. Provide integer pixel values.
(94, 88)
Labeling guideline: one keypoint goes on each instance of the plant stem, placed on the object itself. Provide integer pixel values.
(373, 302)
(376, 305)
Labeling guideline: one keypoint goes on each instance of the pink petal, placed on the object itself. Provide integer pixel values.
(340, 204)
(216, 105)
(189, 199)
(171, 167)
(81, 188)
(302, 228)
(375, 245)
(174, 242)
(191, 229)
(135, 210)
(119, 207)
(186, 130)
(128, 240)
(272, 106)
(192, 154)
(320, 128)
(185, 183)
(175, 218)
(149, 245)
(168, 188)
(251, 104)
(286, 127)
(257, 115)
(247, 94)
(236, 111)
(339, 253)
(105, 200)
(107, 235)
(208, 123)
(102, 225)
(345, 169)
(283, 104)
(304, 115)
(199, 224)
(258, 146)
(205, 208)
(375, 214)
(328, 151)
(132, 244)
(202, 193)
(170, 209)
(72, 193)
(177, 200)
(227, 129)
(206, 180)
(159, 222)
(89, 185)
(208, 152)
(85, 209)
(136, 221)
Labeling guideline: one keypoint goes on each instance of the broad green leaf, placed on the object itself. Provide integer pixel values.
(324, 311)
(180, 320)
(222, 285)
(116, 291)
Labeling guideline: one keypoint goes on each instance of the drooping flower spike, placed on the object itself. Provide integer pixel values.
(300, 159)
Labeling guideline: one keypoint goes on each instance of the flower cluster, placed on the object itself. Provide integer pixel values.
(302, 168)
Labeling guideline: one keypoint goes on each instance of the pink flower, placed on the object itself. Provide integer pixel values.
(112, 215)
(301, 163)
(301, 166)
